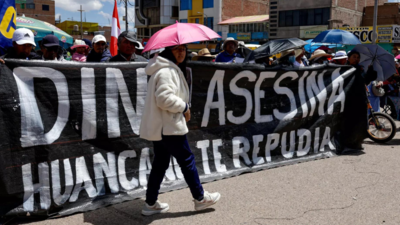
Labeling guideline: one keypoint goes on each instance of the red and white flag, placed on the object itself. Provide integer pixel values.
(115, 31)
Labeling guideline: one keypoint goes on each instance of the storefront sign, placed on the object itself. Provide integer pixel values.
(310, 32)
(396, 34)
(244, 36)
(365, 34)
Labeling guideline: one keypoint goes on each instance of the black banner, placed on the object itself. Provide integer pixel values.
(69, 131)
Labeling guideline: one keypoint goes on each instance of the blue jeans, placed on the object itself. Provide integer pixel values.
(178, 147)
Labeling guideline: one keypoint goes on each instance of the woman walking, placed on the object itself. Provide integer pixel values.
(166, 112)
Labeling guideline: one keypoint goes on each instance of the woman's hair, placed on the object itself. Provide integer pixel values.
(167, 53)
(352, 53)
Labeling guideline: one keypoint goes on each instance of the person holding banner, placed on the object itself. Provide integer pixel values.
(50, 46)
(23, 41)
(99, 53)
(229, 54)
(356, 105)
(164, 119)
(127, 45)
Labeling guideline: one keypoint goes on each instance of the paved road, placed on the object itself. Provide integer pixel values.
(361, 188)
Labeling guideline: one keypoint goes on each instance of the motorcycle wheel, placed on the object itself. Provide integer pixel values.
(387, 130)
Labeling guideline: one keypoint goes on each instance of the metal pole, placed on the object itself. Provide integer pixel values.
(375, 35)
(126, 15)
(81, 22)
(206, 20)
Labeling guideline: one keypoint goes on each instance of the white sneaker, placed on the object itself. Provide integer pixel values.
(209, 200)
(155, 209)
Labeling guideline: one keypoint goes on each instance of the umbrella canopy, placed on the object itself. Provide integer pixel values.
(274, 47)
(379, 58)
(337, 37)
(41, 29)
(312, 46)
(179, 34)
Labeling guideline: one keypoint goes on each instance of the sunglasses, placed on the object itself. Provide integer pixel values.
(101, 44)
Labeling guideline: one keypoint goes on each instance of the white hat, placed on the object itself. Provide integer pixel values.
(23, 36)
(98, 38)
(340, 55)
(140, 47)
(228, 40)
(79, 44)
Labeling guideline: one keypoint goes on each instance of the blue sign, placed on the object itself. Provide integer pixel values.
(8, 24)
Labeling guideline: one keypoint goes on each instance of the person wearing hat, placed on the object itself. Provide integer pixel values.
(204, 55)
(99, 53)
(80, 50)
(299, 55)
(127, 45)
(320, 57)
(340, 58)
(287, 58)
(229, 54)
(23, 41)
(50, 47)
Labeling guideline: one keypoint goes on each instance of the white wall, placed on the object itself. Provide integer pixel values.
(166, 11)
(216, 13)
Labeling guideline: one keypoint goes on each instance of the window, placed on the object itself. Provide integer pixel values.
(289, 18)
(307, 17)
(273, 7)
(197, 20)
(175, 11)
(22, 5)
(186, 5)
(45, 7)
(273, 25)
(183, 20)
(273, 30)
(282, 18)
(274, 3)
(30, 5)
(209, 22)
(274, 17)
(296, 16)
(208, 4)
(273, 13)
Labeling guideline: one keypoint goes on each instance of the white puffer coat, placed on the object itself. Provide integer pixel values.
(166, 100)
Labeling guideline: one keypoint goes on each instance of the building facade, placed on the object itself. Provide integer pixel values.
(389, 13)
(153, 15)
(240, 16)
(38, 9)
(89, 29)
(306, 19)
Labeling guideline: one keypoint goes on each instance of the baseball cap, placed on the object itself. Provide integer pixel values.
(23, 36)
(340, 55)
(50, 41)
(131, 36)
(98, 38)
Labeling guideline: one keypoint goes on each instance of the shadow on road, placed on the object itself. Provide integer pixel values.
(392, 142)
(130, 213)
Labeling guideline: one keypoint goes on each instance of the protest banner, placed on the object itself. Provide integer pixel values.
(70, 139)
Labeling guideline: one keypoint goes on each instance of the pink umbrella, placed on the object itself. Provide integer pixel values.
(398, 57)
(179, 34)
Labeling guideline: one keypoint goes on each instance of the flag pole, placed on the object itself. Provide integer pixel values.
(375, 35)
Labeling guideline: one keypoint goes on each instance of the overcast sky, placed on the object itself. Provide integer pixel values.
(97, 11)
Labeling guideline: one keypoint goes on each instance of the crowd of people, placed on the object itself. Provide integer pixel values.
(167, 108)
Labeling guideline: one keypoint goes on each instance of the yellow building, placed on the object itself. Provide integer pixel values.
(68, 27)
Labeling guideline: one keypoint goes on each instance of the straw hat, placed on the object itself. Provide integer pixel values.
(79, 44)
(319, 53)
(298, 52)
(203, 53)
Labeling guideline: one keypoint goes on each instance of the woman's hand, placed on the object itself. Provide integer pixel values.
(187, 115)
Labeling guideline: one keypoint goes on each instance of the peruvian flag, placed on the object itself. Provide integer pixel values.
(115, 31)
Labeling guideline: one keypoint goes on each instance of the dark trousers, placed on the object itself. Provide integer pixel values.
(178, 147)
